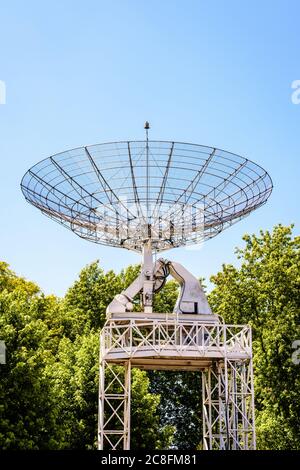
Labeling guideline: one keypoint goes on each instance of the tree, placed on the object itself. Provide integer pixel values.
(94, 290)
(49, 386)
(264, 292)
(180, 405)
(26, 402)
(75, 384)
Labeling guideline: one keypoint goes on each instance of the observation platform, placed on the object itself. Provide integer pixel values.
(165, 341)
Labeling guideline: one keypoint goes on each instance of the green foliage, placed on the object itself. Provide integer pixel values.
(10, 281)
(91, 294)
(165, 299)
(264, 292)
(74, 378)
(180, 405)
(75, 384)
(93, 291)
(145, 416)
(273, 431)
(49, 386)
(27, 411)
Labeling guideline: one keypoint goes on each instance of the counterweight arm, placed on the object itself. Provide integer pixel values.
(192, 298)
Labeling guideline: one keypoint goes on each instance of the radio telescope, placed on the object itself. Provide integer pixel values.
(149, 196)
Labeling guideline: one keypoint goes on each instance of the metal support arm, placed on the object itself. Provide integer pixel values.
(191, 298)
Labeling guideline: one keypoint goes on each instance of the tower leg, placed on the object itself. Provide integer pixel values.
(213, 400)
(240, 405)
(228, 406)
(114, 406)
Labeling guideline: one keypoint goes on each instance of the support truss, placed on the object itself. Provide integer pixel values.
(114, 406)
(222, 353)
(228, 408)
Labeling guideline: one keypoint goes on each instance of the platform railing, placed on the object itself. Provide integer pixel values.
(159, 337)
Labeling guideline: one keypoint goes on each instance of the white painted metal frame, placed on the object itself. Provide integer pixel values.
(228, 406)
(114, 405)
(223, 353)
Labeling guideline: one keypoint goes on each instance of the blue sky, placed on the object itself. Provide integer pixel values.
(217, 73)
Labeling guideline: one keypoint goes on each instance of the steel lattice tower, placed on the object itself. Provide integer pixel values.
(221, 353)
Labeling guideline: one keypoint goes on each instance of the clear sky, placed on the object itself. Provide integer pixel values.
(80, 72)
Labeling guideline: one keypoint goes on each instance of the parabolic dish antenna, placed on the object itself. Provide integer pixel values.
(125, 193)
